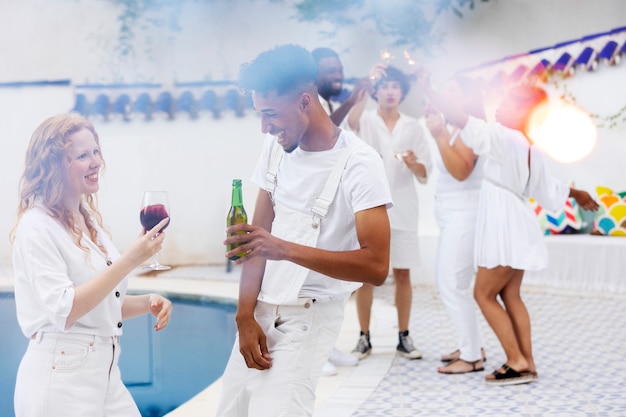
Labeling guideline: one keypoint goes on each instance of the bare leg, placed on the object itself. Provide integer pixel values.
(404, 296)
(364, 299)
(518, 314)
(489, 284)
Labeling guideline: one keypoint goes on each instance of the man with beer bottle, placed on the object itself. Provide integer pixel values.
(303, 255)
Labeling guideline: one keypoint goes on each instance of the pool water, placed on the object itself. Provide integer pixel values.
(162, 370)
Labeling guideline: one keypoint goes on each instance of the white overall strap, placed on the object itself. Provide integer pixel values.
(323, 202)
(276, 155)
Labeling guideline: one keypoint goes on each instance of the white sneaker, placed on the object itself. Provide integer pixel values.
(329, 369)
(339, 358)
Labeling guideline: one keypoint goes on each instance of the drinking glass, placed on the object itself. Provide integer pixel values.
(154, 208)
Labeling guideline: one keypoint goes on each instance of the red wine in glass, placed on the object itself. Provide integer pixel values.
(154, 208)
(150, 216)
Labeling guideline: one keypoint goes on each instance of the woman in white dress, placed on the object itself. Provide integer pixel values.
(508, 238)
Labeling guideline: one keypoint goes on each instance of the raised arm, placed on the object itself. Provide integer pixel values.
(354, 117)
(458, 159)
(92, 292)
(359, 94)
(452, 111)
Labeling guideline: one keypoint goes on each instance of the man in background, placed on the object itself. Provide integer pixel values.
(330, 85)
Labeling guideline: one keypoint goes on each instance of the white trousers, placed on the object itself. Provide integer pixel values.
(72, 375)
(300, 339)
(454, 268)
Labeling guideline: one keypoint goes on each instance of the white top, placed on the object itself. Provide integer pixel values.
(48, 265)
(507, 230)
(407, 134)
(300, 179)
(446, 183)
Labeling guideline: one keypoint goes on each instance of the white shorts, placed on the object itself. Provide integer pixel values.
(405, 253)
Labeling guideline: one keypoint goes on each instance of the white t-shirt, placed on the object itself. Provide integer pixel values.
(48, 265)
(407, 134)
(300, 179)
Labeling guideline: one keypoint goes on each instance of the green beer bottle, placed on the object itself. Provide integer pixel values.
(236, 215)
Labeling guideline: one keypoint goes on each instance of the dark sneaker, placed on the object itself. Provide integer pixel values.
(363, 347)
(406, 348)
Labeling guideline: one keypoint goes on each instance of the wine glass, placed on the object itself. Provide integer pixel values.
(154, 208)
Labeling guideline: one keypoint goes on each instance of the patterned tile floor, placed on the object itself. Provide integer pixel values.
(579, 345)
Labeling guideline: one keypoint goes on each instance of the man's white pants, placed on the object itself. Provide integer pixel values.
(454, 268)
(300, 339)
(72, 375)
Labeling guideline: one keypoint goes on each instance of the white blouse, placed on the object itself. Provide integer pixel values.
(48, 265)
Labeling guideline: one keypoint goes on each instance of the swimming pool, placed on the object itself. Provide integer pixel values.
(162, 370)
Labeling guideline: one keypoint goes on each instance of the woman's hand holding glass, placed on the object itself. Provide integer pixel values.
(147, 245)
(154, 208)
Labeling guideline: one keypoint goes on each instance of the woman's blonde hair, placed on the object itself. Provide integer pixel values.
(42, 181)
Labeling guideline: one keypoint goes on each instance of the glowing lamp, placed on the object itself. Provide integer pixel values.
(562, 130)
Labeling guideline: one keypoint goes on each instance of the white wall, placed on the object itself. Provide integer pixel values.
(196, 160)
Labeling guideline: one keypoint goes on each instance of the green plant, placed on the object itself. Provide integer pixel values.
(611, 120)
(141, 14)
(408, 23)
(558, 81)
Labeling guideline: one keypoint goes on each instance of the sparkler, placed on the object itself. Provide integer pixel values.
(408, 58)
(386, 56)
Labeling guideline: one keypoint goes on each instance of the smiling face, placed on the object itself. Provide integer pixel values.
(329, 76)
(82, 166)
(283, 117)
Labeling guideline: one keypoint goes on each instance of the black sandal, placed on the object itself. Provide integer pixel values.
(509, 377)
